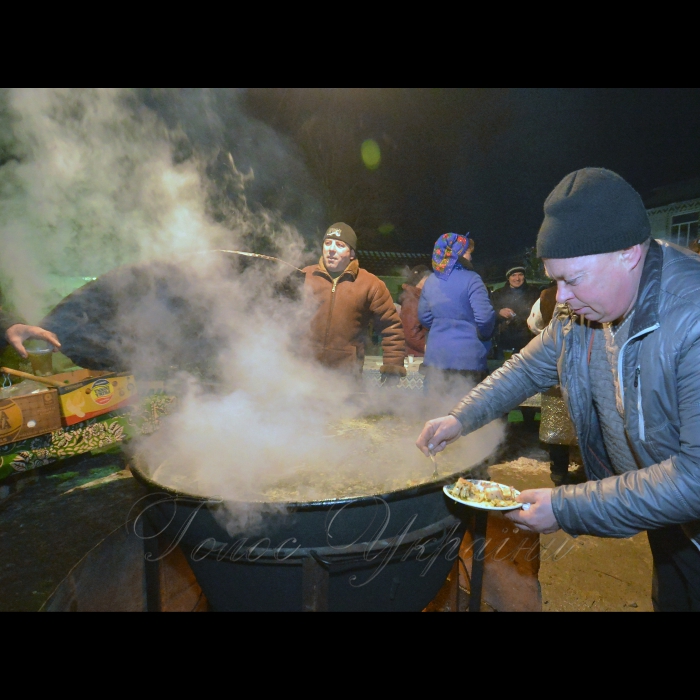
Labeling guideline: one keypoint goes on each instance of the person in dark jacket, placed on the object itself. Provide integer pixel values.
(513, 304)
(628, 360)
(456, 309)
(416, 334)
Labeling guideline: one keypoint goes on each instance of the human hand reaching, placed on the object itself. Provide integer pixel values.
(19, 333)
(438, 434)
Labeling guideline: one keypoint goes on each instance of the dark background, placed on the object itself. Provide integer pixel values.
(479, 160)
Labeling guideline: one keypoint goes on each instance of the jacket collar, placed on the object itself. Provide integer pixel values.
(353, 270)
(647, 312)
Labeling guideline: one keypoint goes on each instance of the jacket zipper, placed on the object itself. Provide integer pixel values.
(330, 315)
(621, 360)
(638, 378)
(640, 411)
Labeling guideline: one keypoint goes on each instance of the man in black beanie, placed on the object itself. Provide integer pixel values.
(628, 360)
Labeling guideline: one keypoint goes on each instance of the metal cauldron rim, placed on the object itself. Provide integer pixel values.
(309, 506)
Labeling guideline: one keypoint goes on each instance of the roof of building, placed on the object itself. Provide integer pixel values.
(392, 264)
(673, 194)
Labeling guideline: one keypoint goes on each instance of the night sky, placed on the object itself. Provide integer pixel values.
(481, 160)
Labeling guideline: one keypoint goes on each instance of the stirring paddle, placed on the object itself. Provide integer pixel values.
(24, 375)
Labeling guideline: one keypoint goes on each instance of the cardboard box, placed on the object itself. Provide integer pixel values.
(90, 394)
(25, 417)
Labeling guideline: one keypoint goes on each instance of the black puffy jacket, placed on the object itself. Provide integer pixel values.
(514, 334)
(660, 373)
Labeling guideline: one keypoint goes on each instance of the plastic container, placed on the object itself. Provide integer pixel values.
(41, 357)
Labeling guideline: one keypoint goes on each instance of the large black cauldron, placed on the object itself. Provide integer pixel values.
(388, 553)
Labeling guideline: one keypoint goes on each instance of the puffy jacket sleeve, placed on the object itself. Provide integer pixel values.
(531, 372)
(388, 324)
(482, 307)
(660, 496)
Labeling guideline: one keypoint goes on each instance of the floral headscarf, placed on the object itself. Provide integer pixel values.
(448, 250)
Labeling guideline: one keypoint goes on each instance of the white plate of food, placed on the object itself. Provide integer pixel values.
(484, 495)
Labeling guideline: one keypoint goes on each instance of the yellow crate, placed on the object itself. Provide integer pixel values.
(90, 394)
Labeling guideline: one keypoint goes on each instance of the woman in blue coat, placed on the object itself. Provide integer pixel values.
(455, 307)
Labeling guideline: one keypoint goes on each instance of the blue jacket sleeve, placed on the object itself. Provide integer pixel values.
(483, 309)
(425, 315)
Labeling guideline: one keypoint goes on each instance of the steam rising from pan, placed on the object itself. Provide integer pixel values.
(97, 182)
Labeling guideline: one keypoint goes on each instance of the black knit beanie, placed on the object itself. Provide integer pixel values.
(342, 232)
(591, 212)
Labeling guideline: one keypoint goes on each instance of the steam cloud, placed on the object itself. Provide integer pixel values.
(95, 178)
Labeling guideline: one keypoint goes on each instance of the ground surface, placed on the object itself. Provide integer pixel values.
(586, 574)
(60, 515)
(57, 518)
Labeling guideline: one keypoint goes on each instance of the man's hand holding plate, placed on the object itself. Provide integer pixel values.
(538, 514)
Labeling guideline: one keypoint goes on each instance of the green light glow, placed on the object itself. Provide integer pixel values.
(371, 154)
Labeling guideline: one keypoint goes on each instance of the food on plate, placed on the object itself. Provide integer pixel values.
(486, 493)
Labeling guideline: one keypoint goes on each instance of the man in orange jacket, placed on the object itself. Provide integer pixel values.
(347, 300)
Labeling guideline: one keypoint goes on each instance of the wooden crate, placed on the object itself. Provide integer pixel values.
(25, 417)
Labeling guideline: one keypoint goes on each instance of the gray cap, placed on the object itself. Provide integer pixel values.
(515, 271)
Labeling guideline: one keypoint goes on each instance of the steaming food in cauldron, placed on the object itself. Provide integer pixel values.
(370, 529)
(365, 456)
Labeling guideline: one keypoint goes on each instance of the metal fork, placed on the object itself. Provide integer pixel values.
(436, 475)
